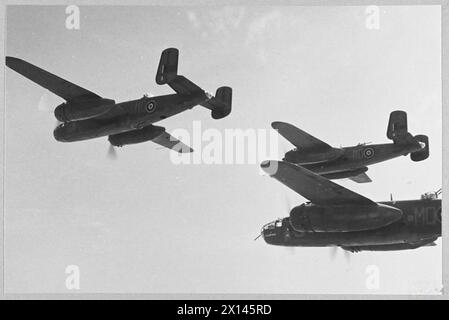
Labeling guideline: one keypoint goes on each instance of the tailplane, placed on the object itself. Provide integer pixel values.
(221, 104)
(398, 132)
(167, 73)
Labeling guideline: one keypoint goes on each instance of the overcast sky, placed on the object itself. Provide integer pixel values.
(143, 224)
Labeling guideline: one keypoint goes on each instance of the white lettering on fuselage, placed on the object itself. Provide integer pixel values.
(424, 216)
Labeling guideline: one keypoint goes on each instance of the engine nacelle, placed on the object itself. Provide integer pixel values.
(303, 156)
(136, 136)
(72, 111)
(344, 218)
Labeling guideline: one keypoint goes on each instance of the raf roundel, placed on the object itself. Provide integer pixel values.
(151, 106)
(368, 152)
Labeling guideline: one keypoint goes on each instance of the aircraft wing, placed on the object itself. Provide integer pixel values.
(361, 178)
(299, 138)
(168, 141)
(49, 81)
(311, 186)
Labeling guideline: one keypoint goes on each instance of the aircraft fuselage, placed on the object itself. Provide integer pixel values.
(127, 116)
(352, 158)
(420, 224)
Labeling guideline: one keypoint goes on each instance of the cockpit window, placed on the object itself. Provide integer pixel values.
(273, 225)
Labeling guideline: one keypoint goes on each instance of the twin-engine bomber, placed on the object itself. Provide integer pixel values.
(336, 216)
(351, 162)
(86, 115)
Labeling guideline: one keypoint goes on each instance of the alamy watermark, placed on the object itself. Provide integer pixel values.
(231, 146)
(72, 21)
(72, 281)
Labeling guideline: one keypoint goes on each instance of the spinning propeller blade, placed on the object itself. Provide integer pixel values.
(44, 104)
(333, 252)
(291, 250)
(112, 153)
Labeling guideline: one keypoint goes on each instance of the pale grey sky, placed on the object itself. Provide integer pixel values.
(143, 224)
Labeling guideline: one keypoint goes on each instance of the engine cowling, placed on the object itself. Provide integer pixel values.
(343, 218)
(304, 156)
(136, 136)
(72, 111)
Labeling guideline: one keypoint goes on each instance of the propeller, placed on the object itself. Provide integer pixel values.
(58, 123)
(291, 250)
(284, 149)
(45, 104)
(112, 153)
(347, 255)
(333, 253)
(287, 204)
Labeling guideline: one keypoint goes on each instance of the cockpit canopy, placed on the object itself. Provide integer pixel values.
(273, 225)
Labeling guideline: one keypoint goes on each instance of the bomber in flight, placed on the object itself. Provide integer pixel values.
(351, 162)
(86, 115)
(336, 216)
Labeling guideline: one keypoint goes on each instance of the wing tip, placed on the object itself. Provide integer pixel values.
(277, 124)
(185, 150)
(270, 166)
(10, 60)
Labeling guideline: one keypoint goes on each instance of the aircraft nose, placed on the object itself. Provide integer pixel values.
(266, 236)
(269, 235)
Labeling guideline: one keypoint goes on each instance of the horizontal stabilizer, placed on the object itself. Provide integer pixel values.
(299, 138)
(55, 84)
(184, 86)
